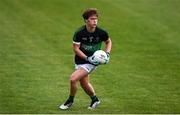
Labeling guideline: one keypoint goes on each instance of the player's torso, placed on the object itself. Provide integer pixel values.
(90, 42)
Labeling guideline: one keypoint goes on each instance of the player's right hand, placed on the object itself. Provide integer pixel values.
(91, 60)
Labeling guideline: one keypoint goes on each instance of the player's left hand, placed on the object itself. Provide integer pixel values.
(108, 57)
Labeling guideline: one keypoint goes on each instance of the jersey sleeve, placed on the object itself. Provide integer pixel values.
(76, 38)
(105, 35)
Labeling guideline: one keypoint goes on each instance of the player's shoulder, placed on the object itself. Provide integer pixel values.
(101, 30)
(80, 29)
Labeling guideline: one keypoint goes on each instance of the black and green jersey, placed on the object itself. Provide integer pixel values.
(89, 42)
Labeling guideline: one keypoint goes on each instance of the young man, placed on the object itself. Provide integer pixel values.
(86, 41)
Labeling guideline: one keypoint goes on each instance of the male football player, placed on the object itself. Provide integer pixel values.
(86, 41)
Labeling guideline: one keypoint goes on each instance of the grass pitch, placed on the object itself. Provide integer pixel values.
(36, 57)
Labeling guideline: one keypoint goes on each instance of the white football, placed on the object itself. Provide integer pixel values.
(100, 56)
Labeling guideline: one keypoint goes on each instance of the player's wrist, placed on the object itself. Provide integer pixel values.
(108, 54)
(86, 58)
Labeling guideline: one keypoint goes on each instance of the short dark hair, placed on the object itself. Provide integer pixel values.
(89, 12)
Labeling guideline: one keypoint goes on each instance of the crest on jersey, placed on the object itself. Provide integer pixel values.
(91, 38)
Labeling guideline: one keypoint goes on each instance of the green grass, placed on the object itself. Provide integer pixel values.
(36, 57)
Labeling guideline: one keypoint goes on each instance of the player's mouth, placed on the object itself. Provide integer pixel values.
(94, 25)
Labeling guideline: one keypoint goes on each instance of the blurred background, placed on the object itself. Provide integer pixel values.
(36, 57)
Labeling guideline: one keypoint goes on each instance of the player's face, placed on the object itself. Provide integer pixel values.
(92, 21)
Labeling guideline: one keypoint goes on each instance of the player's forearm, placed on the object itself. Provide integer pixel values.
(108, 45)
(80, 54)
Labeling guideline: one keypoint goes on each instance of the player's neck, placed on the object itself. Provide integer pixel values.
(90, 29)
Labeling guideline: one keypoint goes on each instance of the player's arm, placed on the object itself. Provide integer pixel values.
(108, 45)
(76, 46)
(77, 51)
